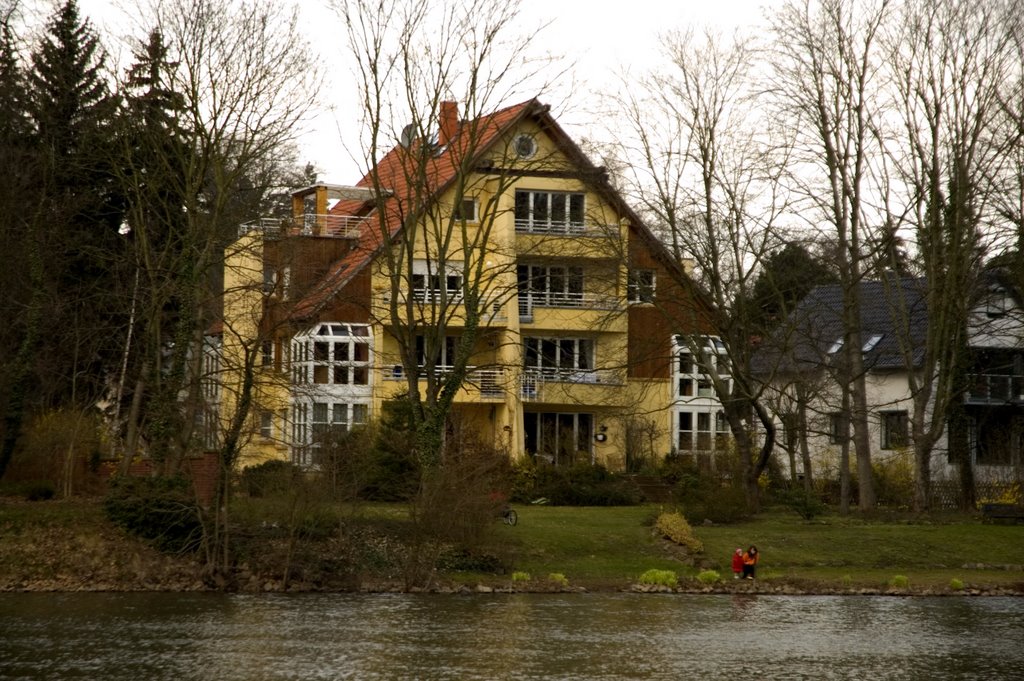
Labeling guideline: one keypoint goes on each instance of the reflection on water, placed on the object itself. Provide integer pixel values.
(522, 636)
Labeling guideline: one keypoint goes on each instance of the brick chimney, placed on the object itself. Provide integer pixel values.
(449, 122)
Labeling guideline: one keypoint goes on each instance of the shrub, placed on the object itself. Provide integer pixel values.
(674, 527)
(708, 577)
(660, 578)
(269, 478)
(38, 490)
(956, 584)
(395, 473)
(894, 478)
(582, 484)
(705, 494)
(559, 579)
(519, 576)
(899, 582)
(806, 504)
(162, 510)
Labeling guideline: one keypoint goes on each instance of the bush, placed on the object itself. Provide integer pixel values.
(674, 527)
(578, 485)
(269, 478)
(559, 579)
(519, 576)
(708, 577)
(717, 496)
(956, 584)
(894, 478)
(806, 504)
(38, 490)
(899, 582)
(660, 578)
(162, 510)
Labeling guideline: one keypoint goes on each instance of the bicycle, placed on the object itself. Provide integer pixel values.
(509, 516)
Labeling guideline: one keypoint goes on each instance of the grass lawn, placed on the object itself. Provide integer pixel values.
(608, 546)
(71, 545)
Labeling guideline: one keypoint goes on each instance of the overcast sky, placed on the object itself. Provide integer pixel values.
(601, 38)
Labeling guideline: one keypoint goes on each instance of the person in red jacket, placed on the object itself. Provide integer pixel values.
(737, 563)
(750, 562)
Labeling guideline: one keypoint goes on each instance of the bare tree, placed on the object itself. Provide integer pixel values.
(949, 62)
(706, 172)
(432, 78)
(221, 87)
(826, 71)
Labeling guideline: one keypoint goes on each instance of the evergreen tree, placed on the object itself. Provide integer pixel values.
(79, 212)
(786, 278)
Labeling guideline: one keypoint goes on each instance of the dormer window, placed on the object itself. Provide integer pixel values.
(999, 303)
(871, 342)
(836, 346)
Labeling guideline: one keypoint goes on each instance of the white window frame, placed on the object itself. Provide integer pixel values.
(539, 282)
(333, 354)
(428, 283)
(312, 419)
(535, 209)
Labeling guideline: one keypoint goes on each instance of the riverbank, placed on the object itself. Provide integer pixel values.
(70, 546)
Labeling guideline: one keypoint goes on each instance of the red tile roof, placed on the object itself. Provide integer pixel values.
(409, 187)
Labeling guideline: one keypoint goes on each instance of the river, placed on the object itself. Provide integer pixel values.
(227, 637)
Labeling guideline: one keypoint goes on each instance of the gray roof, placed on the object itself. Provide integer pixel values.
(893, 316)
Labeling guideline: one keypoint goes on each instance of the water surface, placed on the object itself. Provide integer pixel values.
(516, 636)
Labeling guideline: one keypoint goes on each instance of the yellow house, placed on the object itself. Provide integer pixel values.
(489, 264)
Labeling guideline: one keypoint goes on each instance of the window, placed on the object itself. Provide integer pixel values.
(559, 357)
(446, 353)
(466, 210)
(267, 353)
(538, 211)
(693, 375)
(895, 429)
(836, 346)
(525, 146)
(685, 441)
(559, 438)
(641, 288)
(790, 430)
(870, 343)
(838, 428)
(429, 287)
(266, 425)
(998, 303)
(332, 354)
(269, 279)
(551, 285)
(314, 424)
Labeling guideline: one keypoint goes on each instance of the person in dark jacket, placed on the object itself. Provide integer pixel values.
(750, 559)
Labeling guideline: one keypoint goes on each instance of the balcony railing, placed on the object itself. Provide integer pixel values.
(999, 388)
(587, 301)
(308, 224)
(533, 379)
(491, 381)
(566, 228)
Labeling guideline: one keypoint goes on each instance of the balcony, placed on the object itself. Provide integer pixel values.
(566, 228)
(554, 385)
(308, 224)
(579, 301)
(995, 389)
(486, 384)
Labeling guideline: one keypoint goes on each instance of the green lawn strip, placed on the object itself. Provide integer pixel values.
(599, 544)
(871, 552)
